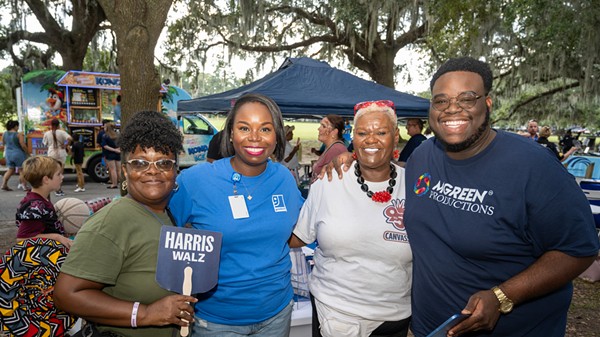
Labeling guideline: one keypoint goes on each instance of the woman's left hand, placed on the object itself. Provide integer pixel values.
(173, 309)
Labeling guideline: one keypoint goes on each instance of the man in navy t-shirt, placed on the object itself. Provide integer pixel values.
(490, 235)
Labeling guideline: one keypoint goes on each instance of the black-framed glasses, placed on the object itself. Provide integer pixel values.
(142, 165)
(465, 100)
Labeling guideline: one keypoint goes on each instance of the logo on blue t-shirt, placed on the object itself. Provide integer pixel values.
(278, 203)
(422, 184)
(462, 198)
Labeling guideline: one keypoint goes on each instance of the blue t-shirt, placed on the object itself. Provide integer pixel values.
(475, 223)
(254, 274)
(410, 146)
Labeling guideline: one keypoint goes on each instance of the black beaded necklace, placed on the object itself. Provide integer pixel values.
(381, 196)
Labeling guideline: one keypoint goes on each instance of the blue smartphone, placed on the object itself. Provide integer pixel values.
(443, 329)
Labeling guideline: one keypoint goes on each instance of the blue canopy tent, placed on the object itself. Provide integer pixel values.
(304, 87)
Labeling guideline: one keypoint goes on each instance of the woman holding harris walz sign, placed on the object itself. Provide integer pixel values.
(109, 277)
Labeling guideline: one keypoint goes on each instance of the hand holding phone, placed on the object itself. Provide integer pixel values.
(442, 330)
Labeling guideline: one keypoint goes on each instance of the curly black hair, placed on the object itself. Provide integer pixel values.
(151, 129)
(465, 64)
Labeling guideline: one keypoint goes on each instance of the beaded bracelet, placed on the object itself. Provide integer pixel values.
(134, 312)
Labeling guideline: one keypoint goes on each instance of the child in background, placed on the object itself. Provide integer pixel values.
(77, 153)
(36, 216)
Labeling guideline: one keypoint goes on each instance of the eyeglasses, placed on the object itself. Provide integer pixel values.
(465, 100)
(381, 103)
(142, 165)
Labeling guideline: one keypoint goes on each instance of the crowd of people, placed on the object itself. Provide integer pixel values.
(402, 243)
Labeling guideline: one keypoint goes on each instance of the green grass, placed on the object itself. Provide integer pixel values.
(304, 130)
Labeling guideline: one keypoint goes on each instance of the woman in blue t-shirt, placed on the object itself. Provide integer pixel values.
(254, 203)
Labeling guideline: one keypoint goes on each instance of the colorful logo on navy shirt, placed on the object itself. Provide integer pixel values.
(462, 198)
(422, 184)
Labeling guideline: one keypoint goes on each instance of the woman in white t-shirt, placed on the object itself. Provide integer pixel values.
(362, 277)
(57, 141)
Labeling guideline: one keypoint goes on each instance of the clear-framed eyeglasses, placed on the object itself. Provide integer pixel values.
(465, 100)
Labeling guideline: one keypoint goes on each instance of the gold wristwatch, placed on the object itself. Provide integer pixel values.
(506, 305)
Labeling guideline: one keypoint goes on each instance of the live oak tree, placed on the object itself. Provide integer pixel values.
(545, 55)
(67, 29)
(137, 25)
(368, 34)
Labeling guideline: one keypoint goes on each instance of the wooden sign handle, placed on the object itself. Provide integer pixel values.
(187, 290)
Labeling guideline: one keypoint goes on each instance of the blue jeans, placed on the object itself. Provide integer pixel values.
(276, 326)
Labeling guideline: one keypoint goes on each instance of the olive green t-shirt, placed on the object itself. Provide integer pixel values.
(118, 246)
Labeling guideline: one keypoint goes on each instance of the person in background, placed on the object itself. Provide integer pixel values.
(58, 142)
(428, 133)
(77, 154)
(112, 153)
(99, 137)
(36, 216)
(414, 127)
(290, 156)
(117, 110)
(330, 130)
(109, 276)
(347, 133)
(15, 151)
(532, 130)
(318, 151)
(254, 203)
(214, 148)
(497, 246)
(566, 142)
(546, 132)
(363, 253)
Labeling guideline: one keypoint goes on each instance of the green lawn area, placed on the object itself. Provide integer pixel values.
(304, 130)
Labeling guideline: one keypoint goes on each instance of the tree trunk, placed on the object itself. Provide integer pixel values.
(137, 25)
(383, 68)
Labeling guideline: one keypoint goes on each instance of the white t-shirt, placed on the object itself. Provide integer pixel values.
(363, 261)
(59, 152)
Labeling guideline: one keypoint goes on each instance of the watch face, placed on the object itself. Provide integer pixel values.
(506, 307)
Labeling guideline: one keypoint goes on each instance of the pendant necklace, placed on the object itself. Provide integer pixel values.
(381, 196)
(236, 178)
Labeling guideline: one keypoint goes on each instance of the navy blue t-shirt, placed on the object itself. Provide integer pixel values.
(410, 146)
(475, 223)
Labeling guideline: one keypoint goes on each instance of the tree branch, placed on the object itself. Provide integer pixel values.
(533, 98)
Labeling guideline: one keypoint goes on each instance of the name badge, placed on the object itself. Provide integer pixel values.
(238, 207)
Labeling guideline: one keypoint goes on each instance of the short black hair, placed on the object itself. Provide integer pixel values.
(11, 124)
(151, 129)
(466, 64)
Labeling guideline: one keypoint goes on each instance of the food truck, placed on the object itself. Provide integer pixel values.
(82, 100)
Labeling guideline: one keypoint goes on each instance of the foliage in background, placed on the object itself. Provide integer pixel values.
(546, 66)
(8, 108)
(367, 34)
(545, 54)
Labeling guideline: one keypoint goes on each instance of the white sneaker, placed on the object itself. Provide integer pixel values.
(80, 189)
(21, 187)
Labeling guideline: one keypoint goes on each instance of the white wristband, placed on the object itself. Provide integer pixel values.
(134, 311)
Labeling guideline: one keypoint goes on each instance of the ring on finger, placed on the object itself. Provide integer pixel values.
(181, 313)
